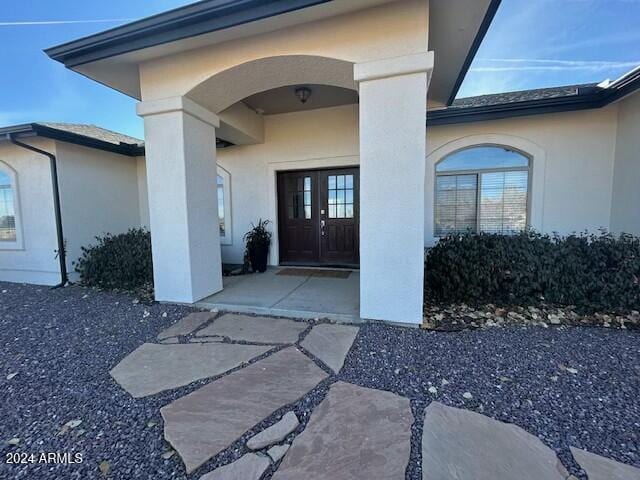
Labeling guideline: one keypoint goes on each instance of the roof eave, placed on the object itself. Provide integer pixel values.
(477, 41)
(191, 20)
(31, 129)
(519, 109)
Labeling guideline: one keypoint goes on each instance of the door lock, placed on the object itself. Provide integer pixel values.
(322, 227)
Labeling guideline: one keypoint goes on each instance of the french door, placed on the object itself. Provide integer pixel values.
(318, 217)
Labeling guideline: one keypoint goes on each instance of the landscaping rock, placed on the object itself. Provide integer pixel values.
(601, 468)
(152, 368)
(356, 433)
(275, 433)
(255, 329)
(248, 467)
(477, 447)
(456, 317)
(277, 452)
(330, 343)
(61, 351)
(207, 421)
(187, 324)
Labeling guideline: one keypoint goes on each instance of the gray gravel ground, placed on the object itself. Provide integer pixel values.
(597, 408)
(62, 343)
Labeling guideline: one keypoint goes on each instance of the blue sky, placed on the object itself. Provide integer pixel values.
(530, 44)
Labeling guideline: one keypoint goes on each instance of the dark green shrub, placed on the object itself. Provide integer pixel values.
(589, 271)
(118, 261)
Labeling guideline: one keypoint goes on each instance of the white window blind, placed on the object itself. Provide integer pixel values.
(503, 202)
(456, 203)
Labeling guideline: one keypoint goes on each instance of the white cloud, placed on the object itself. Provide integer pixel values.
(549, 65)
(62, 22)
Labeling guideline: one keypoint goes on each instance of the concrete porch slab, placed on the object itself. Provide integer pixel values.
(268, 293)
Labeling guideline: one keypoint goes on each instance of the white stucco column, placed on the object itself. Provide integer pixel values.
(393, 97)
(180, 144)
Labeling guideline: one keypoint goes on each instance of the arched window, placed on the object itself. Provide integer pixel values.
(224, 206)
(8, 231)
(482, 189)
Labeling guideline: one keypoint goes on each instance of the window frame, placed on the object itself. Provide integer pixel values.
(227, 238)
(17, 244)
(478, 173)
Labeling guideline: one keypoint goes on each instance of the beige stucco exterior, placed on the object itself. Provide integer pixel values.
(98, 194)
(625, 206)
(33, 259)
(574, 161)
(583, 164)
(389, 30)
(589, 179)
(575, 150)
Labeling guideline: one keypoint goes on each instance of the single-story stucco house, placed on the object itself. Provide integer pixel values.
(337, 121)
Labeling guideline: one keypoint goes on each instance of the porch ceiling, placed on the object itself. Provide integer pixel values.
(284, 100)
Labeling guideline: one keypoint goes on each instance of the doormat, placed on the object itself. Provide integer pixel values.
(311, 272)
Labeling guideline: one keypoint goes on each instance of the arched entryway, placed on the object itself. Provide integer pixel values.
(180, 135)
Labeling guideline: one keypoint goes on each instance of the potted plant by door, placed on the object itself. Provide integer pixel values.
(257, 241)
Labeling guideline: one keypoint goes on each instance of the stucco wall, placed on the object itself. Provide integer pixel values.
(142, 191)
(389, 30)
(34, 261)
(578, 147)
(625, 208)
(573, 164)
(98, 194)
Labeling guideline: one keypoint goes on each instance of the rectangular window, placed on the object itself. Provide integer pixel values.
(456, 204)
(225, 224)
(300, 201)
(221, 220)
(501, 207)
(7, 210)
(503, 202)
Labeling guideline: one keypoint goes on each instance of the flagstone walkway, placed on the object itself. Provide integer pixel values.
(260, 366)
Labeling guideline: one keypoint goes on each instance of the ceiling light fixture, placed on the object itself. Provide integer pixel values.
(303, 94)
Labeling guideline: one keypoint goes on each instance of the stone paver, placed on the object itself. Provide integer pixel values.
(601, 468)
(330, 343)
(207, 421)
(275, 433)
(186, 325)
(277, 452)
(356, 433)
(247, 467)
(206, 340)
(171, 340)
(152, 368)
(465, 445)
(255, 329)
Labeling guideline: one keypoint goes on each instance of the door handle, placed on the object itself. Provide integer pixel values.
(322, 227)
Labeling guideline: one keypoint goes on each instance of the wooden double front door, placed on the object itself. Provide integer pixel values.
(318, 217)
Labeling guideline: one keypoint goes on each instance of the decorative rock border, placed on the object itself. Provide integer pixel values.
(462, 316)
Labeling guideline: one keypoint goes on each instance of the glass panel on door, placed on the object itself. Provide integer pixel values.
(340, 196)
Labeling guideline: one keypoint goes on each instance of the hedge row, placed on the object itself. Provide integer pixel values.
(589, 271)
(118, 261)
